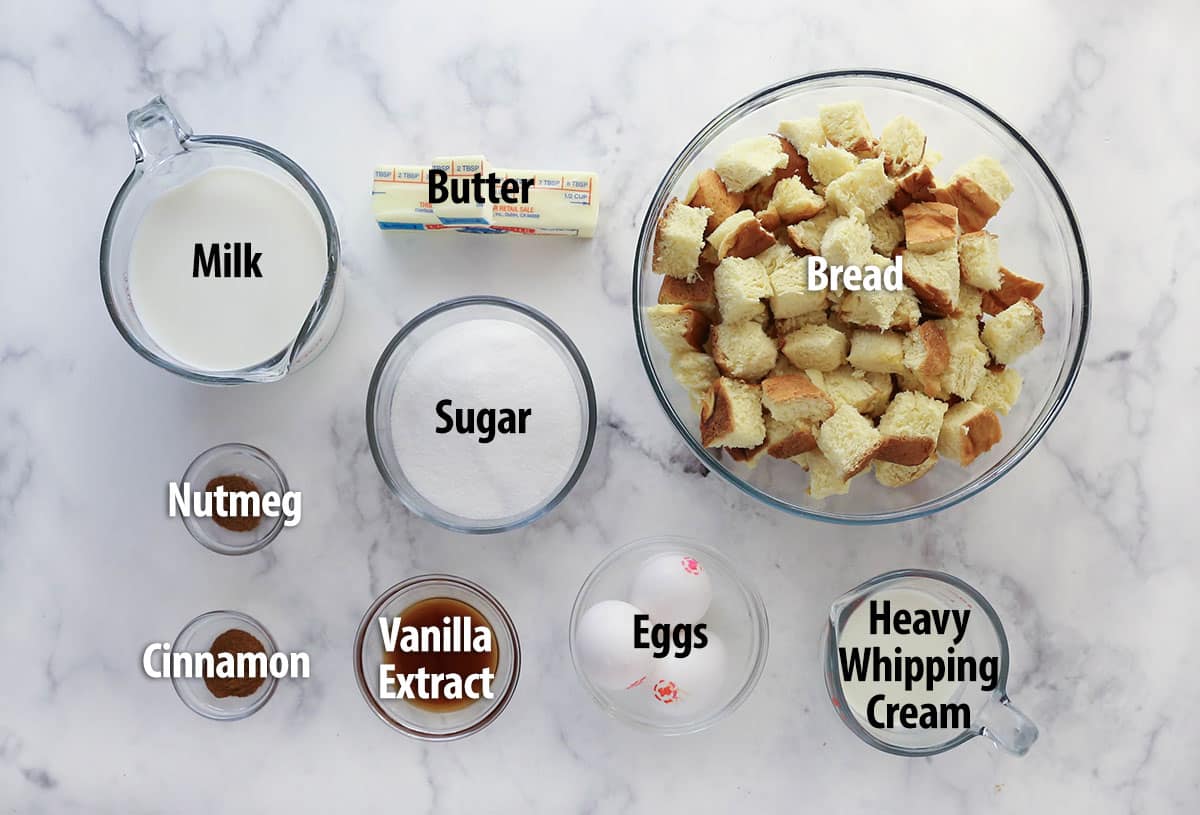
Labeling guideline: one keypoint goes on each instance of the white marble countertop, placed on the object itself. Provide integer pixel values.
(1086, 550)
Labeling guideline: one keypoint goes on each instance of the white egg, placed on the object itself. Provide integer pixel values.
(604, 644)
(672, 588)
(685, 687)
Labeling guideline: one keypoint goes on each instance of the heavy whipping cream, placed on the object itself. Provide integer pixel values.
(486, 419)
(225, 268)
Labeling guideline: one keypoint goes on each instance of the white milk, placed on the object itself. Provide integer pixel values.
(227, 323)
(857, 634)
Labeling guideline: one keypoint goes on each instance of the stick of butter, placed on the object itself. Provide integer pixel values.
(474, 197)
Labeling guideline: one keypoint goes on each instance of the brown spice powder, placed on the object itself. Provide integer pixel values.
(234, 483)
(234, 641)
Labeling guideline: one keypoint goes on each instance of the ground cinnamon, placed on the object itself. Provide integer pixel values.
(234, 641)
(234, 483)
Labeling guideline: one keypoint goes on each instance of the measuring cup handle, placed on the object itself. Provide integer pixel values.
(157, 131)
(1007, 727)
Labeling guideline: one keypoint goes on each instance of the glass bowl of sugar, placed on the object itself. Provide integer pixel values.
(481, 414)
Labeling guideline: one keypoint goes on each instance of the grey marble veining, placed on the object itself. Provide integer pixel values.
(1087, 550)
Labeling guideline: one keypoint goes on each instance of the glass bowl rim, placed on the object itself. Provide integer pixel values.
(270, 681)
(1031, 437)
(467, 525)
(758, 611)
(435, 579)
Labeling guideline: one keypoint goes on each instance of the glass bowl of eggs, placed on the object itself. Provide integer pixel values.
(1040, 250)
(667, 637)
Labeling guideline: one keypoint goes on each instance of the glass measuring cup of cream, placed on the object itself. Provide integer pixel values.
(916, 662)
(219, 259)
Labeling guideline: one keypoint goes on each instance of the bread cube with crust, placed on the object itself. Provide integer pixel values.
(849, 441)
(900, 475)
(934, 276)
(915, 186)
(845, 124)
(824, 478)
(977, 189)
(749, 161)
(827, 163)
(741, 284)
(805, 236)
(743, 350)
(794, 399)
(927, 355)
(1014, 331)
(902, 145)
(790, 295)
(697, 293)
(866, 392)
(678, 328)
(866, 187)
(817, 347)
(731, 415)
(979, 259)
(740, 236)
(998, 389)
(679, 239)
(709, 191)
(968, 431)
(788, 440)
(847, 241)
(970, 302)
(887, 231)
(910, 428)
(793, 202)
(877, 352)
(1012, 288)
(695, 371)
(803, 134)
(930, 227)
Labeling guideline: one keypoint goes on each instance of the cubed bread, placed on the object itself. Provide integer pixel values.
(849, 441)
(977, 189)
(845, 125)
(908, 311)
(902, 145)
(749, 161)
(915, 186)
(790, 295)
(797, 164)
(878, 309)
(934, 276)
(930, 387)
(910, 428)
(804, 134)
(962, 376)
(900, 475)
(697, 293)
(787, 441)
(968, 431)
(927, 354)
(883, 389)
(847, 241)
(999, 389)
(794, 202)
(866, 187)
(1014, 331)
(782, 326)
(1012, 288)
(868, 393)
(827, 163)
(794, 399)
(775, 256)
(678, 328)
(743, 350)
(887, 231)
(708, 190)
(876, 351)
(732, 415)
(741, 284)
(930, 227)
(979, 259)
(679, 239)
(695, 371)
(740, 236)
(750, 456)
(805, 237)
(824, 478)
(970, 302)
(819, 347)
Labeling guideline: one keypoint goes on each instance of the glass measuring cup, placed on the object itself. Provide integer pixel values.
(167, 155)
(992, 714)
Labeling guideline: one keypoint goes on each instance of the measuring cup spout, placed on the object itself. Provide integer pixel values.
(157, 132)
(1006, 726)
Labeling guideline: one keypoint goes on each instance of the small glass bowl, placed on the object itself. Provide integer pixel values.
(251, 463)
(409, 719)
(198, 636)
(383, 391)
(737, 615)
(1039, 238)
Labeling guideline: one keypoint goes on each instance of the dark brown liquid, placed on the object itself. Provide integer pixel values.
(430, 613)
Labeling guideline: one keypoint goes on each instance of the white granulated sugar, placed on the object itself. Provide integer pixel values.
(486, 364)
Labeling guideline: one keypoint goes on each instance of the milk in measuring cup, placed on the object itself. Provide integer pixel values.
(225, 268)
